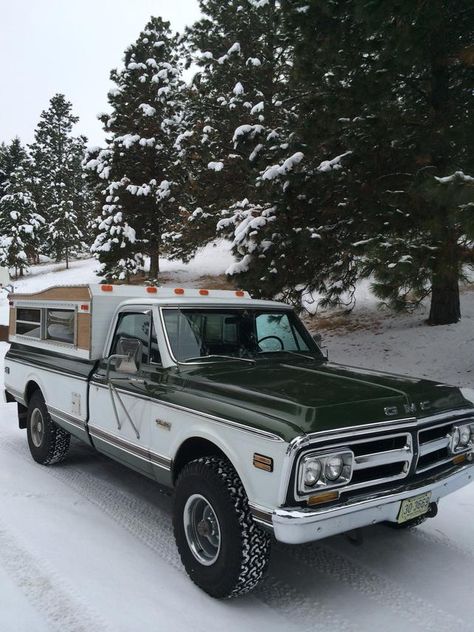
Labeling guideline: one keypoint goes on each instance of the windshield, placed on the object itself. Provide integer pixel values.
(196, 334)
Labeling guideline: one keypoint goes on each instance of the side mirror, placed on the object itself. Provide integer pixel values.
(128, 358)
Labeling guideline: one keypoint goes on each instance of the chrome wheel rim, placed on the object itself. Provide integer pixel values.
(202, 529)
(37, 427)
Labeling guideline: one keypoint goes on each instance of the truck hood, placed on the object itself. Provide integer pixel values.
(296, 397)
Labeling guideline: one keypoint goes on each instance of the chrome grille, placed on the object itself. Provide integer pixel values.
(434, 445)
(377, 460)
(381, 460)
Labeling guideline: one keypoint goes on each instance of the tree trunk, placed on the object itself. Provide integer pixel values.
(445, 303)
(67, 258)
(155, 263)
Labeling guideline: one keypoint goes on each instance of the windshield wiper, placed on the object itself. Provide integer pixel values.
(217, 357)
(296, 353)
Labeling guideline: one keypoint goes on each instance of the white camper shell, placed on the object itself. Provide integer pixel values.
(74, 320)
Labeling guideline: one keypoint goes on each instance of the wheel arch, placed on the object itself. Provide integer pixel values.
(31, 387)
(197, 446)
(194, 448)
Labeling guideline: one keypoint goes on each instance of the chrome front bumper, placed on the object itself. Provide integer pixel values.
(299, 525)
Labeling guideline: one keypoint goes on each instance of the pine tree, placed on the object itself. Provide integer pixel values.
(140, 169)
(271, 132)
(59, 185)
(415, 152)
(12, 156)
(240, 111)
(19, 222)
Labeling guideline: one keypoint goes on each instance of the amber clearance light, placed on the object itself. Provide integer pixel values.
(263, 462)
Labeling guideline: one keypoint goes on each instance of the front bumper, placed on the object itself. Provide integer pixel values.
(299, 525)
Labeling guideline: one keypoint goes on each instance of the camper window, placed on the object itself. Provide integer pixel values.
(60, 325)
(28, 322)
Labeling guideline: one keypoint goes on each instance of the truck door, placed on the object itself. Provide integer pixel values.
(119, 406)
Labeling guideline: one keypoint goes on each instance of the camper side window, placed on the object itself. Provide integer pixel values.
(28, 322)
(60, 325)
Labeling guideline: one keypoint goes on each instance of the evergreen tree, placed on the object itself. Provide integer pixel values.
(415, 158)
(12, 156)
(19, 222)
(59, 185)
(238, 108)
(282, 159)
(140, 169)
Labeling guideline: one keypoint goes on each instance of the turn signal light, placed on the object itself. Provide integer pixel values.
(459, 459)
(324, 497)
(107, 288)
(152, 290)
(179, 290)
(204, 292)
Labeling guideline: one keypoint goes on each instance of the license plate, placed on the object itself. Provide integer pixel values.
(413, 507)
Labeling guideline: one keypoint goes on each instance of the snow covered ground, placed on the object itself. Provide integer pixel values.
(87, 545)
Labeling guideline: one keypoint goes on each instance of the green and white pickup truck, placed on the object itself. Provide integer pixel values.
(231, 402)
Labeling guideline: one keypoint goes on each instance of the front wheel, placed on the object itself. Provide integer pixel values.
(223, 550)
(48, 442)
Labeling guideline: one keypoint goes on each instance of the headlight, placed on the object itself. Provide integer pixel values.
(319, 471)
(461, 438)
(312, 473)
(464, 435)
(333, 469)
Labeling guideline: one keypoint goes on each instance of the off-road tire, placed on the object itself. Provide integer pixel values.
(245, 547)
(55, 441)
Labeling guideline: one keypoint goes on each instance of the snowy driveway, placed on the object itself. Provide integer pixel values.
(87, 545)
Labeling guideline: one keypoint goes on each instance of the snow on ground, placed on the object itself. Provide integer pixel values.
(405, 344)
(87, 544)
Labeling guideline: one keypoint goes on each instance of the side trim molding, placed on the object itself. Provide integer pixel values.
(132, 448)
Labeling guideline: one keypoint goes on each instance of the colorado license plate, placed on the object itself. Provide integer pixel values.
(413, 507)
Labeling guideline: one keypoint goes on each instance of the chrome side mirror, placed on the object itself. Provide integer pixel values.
(128, 358)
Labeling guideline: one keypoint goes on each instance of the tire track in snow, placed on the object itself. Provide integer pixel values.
(386, 592)
(45, 589)
(152, 525)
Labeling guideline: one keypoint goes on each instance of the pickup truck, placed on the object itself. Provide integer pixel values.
(231, 402)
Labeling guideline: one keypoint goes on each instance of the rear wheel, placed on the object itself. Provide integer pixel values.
(223, 550)
(48, 442)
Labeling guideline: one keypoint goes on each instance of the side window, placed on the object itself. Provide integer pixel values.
(60, 325)
(134, 325)
(28, 322)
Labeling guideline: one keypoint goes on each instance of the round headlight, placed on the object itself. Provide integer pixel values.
(464, 435)
(312, 473)
(456, 438)
(334, 467)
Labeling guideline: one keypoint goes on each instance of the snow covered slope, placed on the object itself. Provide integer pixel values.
(87, 545)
